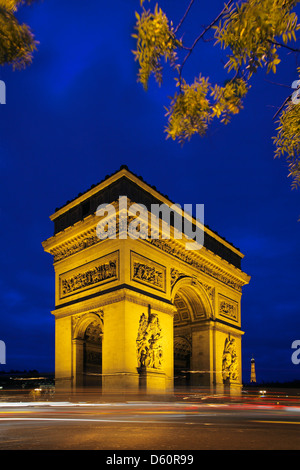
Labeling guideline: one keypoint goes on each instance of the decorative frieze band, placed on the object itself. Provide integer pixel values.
(202, 266)
(89, 238)
(68, 249)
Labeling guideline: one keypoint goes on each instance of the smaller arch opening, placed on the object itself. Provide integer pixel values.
(92, 355)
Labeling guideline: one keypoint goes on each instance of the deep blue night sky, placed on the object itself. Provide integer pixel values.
(77, 114)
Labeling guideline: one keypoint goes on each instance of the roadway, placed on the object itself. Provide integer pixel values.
(187, 423)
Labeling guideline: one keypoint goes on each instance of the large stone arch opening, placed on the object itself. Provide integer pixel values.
(92, 355)
(191, 326)
(182, 360)
(88, 339)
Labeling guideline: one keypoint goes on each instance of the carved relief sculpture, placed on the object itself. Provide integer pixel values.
(92, 274)
(229, 360)
(229, 309)
(147, 272)
(202, 266)
(149, 349)
(175, 275)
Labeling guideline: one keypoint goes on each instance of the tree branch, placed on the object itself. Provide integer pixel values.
(282, 106)
(201, 36)
(184, 16)
(283, 45)
(278, 84)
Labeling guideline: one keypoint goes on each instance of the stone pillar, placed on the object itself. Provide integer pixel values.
(201, 374)
(227, 361)
(121, 369)
(152, 381)
(63, 354)
(78, 358)
(119, 366)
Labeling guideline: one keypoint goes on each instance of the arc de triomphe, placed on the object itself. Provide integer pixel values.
(142, 313)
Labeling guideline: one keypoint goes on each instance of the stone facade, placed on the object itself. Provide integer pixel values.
(142, 313)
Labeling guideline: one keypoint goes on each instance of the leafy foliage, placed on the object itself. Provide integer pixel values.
(193, 108)
(287, 141)
(250, 31)
(253, 33)
(228, 99)
(17, 42)
(190, 110)
(155, 40)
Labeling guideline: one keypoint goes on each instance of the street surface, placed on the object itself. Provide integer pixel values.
(194, 422)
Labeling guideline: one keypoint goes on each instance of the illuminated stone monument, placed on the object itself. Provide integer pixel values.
(142, 313)
(253, 373)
